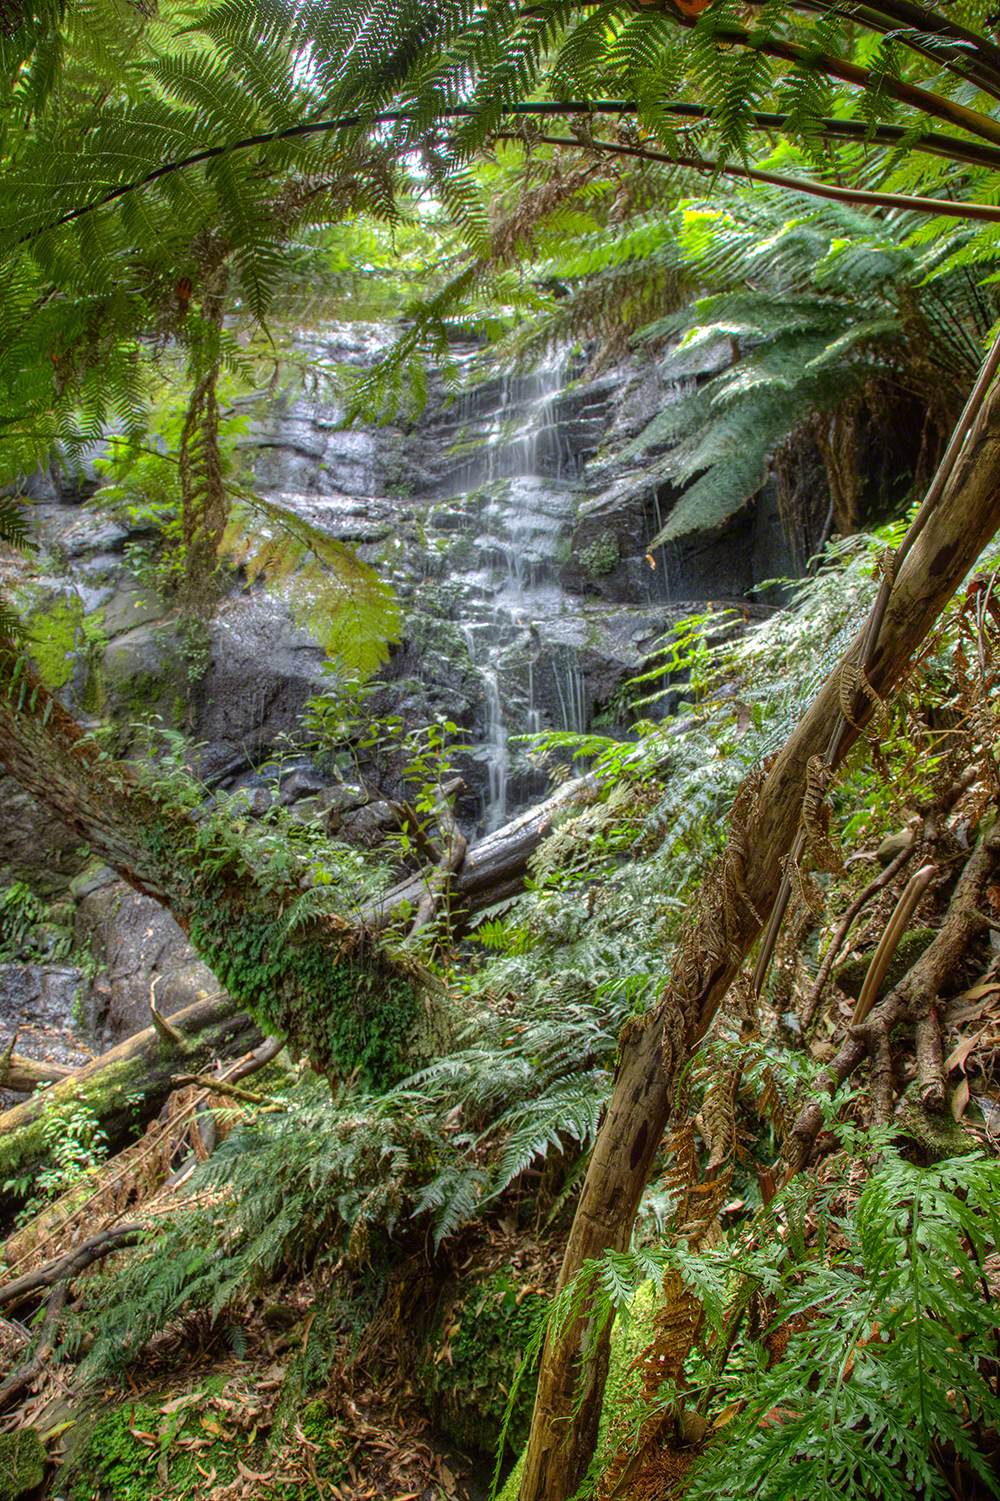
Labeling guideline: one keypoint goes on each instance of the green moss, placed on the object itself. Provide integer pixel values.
(483, 1341)
(54, 632)
(145, 690)
(322, 1428)
(462, 554)
(353, 1012)
(114, 1463)
(851, 976)
(22, 1463)
(94, 695)
(117, 1464)
(601, 555)
(936, 1137)
(628, 1340)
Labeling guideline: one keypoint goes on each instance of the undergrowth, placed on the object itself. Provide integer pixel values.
(833, 1338)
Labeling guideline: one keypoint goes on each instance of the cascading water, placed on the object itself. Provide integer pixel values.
(506, 520)
(498, 756)
(517, 492)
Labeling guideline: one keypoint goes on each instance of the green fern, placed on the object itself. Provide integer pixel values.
(352, 611)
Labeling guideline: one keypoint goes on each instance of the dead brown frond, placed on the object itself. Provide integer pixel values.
(129, 1182)
(822, 846)
(854, 680)
(771, 1103)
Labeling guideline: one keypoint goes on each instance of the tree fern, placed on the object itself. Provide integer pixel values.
(343, 601)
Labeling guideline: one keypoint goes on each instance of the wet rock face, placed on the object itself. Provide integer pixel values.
(43, 1010)
(516, 535)
(34, 846)
(38, 995)
(262, 669)
(134, 943)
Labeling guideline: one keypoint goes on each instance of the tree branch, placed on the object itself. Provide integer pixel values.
(71, 1264)
(450, 861)
(26, 1074)
(930, 141)
(943, 206)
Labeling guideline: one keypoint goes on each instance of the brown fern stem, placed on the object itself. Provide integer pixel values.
(890, 941)
(833, 66)
(947, 207)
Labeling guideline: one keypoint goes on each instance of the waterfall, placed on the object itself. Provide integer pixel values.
(521, 475)
(497, 754)
(571, 688)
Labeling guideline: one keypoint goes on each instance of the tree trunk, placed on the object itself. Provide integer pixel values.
(325, 983)
(25, 1074)
(125, 1087)
(734, 903)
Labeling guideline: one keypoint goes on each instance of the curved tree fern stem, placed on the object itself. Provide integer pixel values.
(946, 207)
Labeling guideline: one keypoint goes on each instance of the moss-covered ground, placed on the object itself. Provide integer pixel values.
(473, 1358)
(214, 1440)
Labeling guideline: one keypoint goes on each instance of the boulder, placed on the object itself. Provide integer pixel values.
(40, 995)
(366, 826)
(303, 782)
(143, 673)
(93, 877)
(132, 605)
(134, 942)
(246, 802)
(893, 845)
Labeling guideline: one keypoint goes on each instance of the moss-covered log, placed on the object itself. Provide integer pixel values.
(124, 1087)
(327, 984)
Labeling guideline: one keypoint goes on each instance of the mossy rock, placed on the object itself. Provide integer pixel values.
(22, 1463)
(54, 639)
(937, 1137)
(474, 1354)
(851, 975)
(601, 555)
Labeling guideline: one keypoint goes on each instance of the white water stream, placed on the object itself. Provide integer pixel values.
(524, 469)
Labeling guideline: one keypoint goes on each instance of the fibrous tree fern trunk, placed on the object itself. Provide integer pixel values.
(327, 983)
(729, 913)
(205, 508)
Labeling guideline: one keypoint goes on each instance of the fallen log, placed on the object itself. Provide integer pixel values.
(26, 1074)
(122, 1089)
(492, 870)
